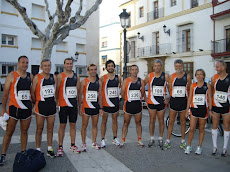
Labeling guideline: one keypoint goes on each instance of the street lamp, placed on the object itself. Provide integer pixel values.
(168, 31)
(76, 57)
(124, 17)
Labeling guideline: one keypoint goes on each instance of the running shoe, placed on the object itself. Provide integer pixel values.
(160, 143)
(83, 148)
(75, 149)
(167, 145)
(140, 143)
(103, 145)
(188, 149)
(96, 146)
(50, 153)
(151, 143)
(224, 152)
(198, 150)
(116, 141)
(183, 145)
(60, 152)
(2, 160)
(214, 151)
(122, 143)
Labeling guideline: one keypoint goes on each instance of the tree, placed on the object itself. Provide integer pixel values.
(60, 23)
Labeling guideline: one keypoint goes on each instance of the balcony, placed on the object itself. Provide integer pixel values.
(221, 48)
(153, 15)
(154, 50)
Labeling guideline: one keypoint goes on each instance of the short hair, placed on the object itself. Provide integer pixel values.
(134, 66)
(56, 73)
(19, 58)
(201, 70)
(158, 61)
(223, 63)
(108, 62)
(68, 59)
(91, 65)
(179, 61)
(45, 60)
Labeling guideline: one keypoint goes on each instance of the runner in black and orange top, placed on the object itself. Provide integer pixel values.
(68, 86)
(43, 94)
(111, 84)
(179, 86)
(18, 85)
(199, 101)
(220, 105)
(91, 105)
(132, 91)
(156, 101)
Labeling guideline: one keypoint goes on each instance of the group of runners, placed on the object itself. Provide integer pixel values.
(93, 97)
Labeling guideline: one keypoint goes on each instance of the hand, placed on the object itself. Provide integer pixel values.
(211, 114)
(101, 112)
(146, 100)
(187, 114)
(3, 111)
(80, 112)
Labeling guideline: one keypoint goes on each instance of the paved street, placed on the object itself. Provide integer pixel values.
(128, 158)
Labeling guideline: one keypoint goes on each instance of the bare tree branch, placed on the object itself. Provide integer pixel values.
(60, 12)
(77, 14)
(47, 9)
(67, 10)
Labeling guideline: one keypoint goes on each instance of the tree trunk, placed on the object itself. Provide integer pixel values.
(46, 50)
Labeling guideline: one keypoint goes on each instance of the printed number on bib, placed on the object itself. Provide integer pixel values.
(91, 96)
(24, 95)
(48, 91)
(178, 91)
(71, 92)
(158, 91)
(134, 95)
(112, 92)
(199, 99)
(220, 96)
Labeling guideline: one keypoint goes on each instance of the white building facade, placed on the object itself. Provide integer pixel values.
(17, 39)
(188, 34)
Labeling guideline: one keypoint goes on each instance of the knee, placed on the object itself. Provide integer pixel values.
(192, 129)
(24, 131)
(40, 129)
(138, 123)
(50, 130)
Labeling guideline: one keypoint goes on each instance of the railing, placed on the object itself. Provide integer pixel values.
(155, 14)
(221, 46)
(160, 49)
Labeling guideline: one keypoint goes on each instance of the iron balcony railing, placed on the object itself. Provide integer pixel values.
(160, 49)
(221, 46)
(155, 14)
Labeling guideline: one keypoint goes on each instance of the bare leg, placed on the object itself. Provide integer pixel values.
(193, 122)
(138, 119)
(172, 116)
(50, 127)
(202, 123)
(183, 124)
(127, 119)
(61, 133)
(115, 124)
(24, 125)
(160, 116)
(152, 121)
(85, 121)
(103, 124)
(72, 131)
(94, 127)
(40, 125)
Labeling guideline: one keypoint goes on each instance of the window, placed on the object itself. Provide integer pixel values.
(188, 68)
(80, 48)
(104, 59)
(81, 70)
(141, 12)
(60, 68)
(8, 39)
(194, 3)
(187, 40)
(62, 47)
(173, 3)
(36, 43)
(228, 39)
(38, 12)
(157, 42)
(7, 68)
(155, 9)
(104, 42)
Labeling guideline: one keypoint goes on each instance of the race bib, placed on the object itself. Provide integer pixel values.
(48, 91)
(24, 95)
(158, 91)
(71, 92)
(178, 91)
(221, 96)
(199, 99)
(112, 92)
(91, 96)
(134, 95)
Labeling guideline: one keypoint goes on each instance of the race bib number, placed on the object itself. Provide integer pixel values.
(24, 95)
(71, 92)
(134, 95)
(91, 96)
(158, 91)
(112, 92)
(221, 97)
(199, 99)
(178, 91)
(48, 91)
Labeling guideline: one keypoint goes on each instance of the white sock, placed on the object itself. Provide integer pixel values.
(39, 149)
(183, 140)
(226, 138)
(152, 138)
(49, 147)
(160, 138)
(214, 137)
(168, 141)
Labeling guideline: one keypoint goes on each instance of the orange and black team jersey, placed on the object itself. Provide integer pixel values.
(179, 86)
(199, 96)
(221, 91)
(133, 90)
(20, 96)
(157, 89)
(110, 91)
(90, 93)
(68, 91)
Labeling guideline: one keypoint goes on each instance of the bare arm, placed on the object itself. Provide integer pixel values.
(143, 89)
(80, 96)
(100, 97)
(78, 89)
(34, 85)
(170, 85)
(146, 80)
(189, 100)
(123, 89)
(189, 82)
(58, 83)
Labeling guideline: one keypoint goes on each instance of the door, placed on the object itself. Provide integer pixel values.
(157, 42)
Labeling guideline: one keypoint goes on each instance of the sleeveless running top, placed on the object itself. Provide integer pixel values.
(199, 96)
(221, 91)
(157, 89)
(68, 91)
(179, 86)
(133, 90)
(20, 96)
(110, 91)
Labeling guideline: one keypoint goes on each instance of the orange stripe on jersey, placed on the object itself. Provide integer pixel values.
(13, 87)
(194, 85)
(85, 89)
(128, 81)
(172, 82)
(38, 87)
(151, 76)
(215, 79)
(62, 101)
(105, 81)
